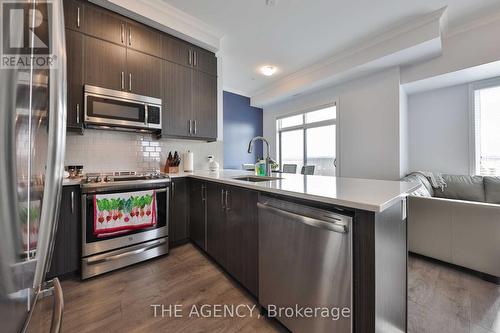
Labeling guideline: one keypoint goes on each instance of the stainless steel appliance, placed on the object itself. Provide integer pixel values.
(102, 254)
(305, 260)
(107, 108)
(32, 146)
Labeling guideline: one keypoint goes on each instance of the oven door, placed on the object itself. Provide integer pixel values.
(95, 243)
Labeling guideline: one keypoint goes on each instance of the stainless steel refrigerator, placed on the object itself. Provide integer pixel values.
(32, 146)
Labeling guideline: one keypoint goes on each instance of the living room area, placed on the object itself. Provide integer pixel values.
(454, 217)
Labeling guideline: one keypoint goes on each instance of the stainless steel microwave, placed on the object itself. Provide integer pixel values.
(123, 110)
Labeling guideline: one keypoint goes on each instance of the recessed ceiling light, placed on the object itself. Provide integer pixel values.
(268, 70)
(271, 3)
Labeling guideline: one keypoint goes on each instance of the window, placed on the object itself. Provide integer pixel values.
(309, 138)
(486, 128)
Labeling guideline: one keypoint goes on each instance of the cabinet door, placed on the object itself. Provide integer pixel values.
(142, 38)
(74, 51)
(217, 233)
(66, 254)
(205, 61)
(176, 50)
(73, 14)
(144, 74)
(104, 24)
(104, 63)
(242, 240)
(204, 96)
(179, 212)
(176, 99)
(198, 213)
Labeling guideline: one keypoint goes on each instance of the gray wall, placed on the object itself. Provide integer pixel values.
(369, 123)
(439, 130)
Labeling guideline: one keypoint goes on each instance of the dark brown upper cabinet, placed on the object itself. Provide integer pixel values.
(186, 54)
(189, 103)
(73, 14)
(204, 105)
(176, 99)
(143, 74)
(141, 38)
(104, 24)
(176, 50)
(204, 61)
(74, 66)
(105, 64)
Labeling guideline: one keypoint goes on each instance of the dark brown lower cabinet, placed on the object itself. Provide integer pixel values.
(66, 255)
(198, 212)
(179, 212)
(232, 232)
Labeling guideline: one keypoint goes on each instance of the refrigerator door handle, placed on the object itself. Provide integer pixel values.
(56, 143)
(57, 313)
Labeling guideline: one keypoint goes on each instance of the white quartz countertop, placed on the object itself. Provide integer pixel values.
(365, 194)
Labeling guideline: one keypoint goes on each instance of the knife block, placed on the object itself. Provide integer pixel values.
(171, 169)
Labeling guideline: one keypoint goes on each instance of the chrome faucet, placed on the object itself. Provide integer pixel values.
(268, 158)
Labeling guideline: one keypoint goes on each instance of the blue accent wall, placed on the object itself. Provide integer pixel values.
(242, 122)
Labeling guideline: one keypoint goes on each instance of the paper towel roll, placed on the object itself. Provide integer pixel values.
(188, 161)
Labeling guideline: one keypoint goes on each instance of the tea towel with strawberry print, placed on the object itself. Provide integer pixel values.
(120, 212)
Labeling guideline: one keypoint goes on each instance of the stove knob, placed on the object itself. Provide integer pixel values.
(98, 179)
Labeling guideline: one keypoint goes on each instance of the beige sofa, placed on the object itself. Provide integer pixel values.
(458, 225)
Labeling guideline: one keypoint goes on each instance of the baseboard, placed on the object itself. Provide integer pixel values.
(481, 275)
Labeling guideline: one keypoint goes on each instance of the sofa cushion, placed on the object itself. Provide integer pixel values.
(461, 187)
(492, 189)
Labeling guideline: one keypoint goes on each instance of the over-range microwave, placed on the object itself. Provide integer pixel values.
(107, 108)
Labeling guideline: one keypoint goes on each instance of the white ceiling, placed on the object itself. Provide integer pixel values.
(297, 33)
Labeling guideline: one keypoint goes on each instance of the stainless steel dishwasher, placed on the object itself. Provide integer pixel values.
(305, 260)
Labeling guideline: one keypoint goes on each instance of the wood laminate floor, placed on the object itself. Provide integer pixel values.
(440, 299)
(444, 300)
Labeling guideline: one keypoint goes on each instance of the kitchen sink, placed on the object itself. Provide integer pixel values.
(256, 179)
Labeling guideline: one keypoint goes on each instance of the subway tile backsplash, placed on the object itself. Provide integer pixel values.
(101, 151)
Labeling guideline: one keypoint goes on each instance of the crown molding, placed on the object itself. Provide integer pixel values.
(417, 40)
(162, 16)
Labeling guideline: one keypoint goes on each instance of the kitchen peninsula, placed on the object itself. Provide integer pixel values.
(342, 240)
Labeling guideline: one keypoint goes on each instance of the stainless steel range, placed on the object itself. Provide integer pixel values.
(124, 219)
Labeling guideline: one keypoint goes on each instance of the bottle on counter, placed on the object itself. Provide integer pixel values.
(260, 167)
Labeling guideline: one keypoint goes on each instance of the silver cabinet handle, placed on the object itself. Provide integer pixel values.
(195, 58)
(57, 313)
(122, 32)
(195, 127)
(190, 56)
(173, 189)
(129, 81)
(227, 202)
(129, 35)
(78, 113)
(332, 226)
(190, 129)
(72, 202)
(222, 199)
(78, 17)
(203, 197)
(123, 80)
